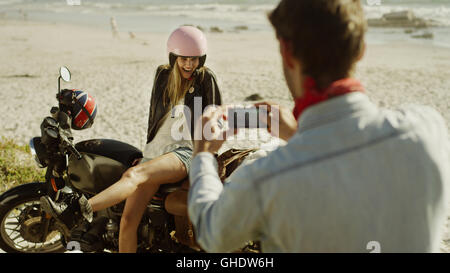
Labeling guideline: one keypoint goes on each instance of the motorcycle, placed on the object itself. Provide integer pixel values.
(89, 167)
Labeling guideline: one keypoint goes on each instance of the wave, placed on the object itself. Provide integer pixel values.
(10, 2)
(243, 11)
(237, 13)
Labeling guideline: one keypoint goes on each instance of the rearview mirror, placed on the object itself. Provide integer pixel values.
(64, 73)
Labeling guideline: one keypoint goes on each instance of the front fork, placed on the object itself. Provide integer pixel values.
(54, 178)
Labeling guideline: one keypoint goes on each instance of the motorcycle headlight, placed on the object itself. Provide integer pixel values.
(34, 146)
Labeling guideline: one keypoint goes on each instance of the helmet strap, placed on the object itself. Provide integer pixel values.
(202, 61)
(172, 59)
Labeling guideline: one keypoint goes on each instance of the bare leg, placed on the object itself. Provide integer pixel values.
(134, 209)
(163, 169)
(137, 203)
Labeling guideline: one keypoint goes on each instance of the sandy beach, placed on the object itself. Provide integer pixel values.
(119, 74)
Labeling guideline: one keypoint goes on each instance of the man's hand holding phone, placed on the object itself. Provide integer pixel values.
(212, 132)
(279, 121)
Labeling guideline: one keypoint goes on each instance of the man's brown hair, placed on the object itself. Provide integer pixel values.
(327, 36)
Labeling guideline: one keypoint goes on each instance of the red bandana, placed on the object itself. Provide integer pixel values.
(312, 95)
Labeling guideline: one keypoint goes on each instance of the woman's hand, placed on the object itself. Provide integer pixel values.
(211, 130)
(280, 121)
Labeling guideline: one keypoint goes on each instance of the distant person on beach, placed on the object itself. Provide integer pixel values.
(166, 160)
(114, 29)
(352, 177)
(24, 14)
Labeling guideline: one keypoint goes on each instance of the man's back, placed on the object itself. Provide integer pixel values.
(351, 175)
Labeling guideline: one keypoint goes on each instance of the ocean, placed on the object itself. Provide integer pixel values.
(227, 15)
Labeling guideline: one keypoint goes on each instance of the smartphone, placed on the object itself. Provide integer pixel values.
(243, 117)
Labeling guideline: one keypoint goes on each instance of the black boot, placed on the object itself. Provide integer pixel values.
(69, 211)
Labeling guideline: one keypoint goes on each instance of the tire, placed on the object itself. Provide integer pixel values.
(21, 218)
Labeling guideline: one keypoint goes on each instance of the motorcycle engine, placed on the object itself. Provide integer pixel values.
(89, 235)
(147, 234)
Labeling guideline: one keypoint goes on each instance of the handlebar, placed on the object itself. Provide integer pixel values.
(69, 145)
(75, 151)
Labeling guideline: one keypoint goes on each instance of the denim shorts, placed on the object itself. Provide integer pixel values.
(185, 156)
(183, 153)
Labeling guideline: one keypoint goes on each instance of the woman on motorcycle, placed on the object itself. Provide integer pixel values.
(184, 80)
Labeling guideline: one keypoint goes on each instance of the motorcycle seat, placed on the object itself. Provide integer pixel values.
(176, 202)
(165, 189)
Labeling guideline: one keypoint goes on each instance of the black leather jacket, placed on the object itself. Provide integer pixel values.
(207, 89)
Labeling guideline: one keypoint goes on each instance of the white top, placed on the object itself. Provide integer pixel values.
(173, 133)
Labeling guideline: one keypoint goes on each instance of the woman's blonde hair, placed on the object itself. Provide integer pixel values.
(177, 86)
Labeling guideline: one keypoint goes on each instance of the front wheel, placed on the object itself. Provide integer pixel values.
(25, 228)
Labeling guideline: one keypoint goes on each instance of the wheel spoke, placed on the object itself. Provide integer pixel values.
(20, 211)
(12, 229)
(15, 238)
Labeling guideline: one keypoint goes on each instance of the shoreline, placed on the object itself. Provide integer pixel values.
(440, 34)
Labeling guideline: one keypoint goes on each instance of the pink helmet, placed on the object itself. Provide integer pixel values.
(187, 41)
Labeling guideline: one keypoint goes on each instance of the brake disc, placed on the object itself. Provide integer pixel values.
(31, 225)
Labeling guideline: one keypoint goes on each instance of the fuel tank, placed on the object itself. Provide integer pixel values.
(102, 164)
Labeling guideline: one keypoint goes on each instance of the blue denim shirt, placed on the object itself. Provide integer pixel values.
(354, 176)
